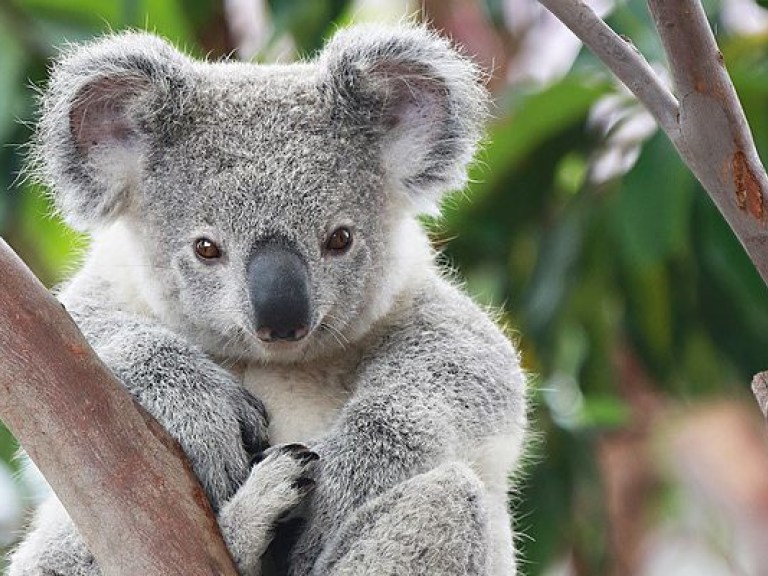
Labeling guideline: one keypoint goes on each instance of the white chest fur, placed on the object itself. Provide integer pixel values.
(302, 403)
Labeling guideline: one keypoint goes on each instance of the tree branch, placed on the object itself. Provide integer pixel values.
(705, 122)
(124, 481)
(760, 390)
(622, 58)
(716, 142)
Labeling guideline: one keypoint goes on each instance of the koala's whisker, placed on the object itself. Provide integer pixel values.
(234, 335)
(334, 319)
(228, 364)
(337, 335)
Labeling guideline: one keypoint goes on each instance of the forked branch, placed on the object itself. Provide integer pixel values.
(703, 119)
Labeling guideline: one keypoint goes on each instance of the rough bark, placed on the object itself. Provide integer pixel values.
(124, 481)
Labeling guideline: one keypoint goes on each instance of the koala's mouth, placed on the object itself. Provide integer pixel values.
(289, 337)
(322, 337)
(285, 350)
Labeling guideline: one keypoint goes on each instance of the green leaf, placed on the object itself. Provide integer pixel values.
(559, 251)
(733, 298)
(12, 64)
(532, 120)
(653, 209)
(308, 21)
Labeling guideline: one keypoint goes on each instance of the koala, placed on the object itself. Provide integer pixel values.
(256, 250)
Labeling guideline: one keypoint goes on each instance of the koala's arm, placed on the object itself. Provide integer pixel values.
(437, 388)
(218, 424)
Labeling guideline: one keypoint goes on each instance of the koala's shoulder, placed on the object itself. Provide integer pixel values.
(442, 324)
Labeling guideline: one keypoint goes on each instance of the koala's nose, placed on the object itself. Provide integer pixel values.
(278, 282)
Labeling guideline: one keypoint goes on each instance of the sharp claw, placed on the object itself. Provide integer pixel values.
(298, 451)
(258, 457)
(303, 484)
(309, 456)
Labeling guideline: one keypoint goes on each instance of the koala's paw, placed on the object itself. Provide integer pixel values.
(285, 476)
(281, 478)
(253, 422)
(221, 429)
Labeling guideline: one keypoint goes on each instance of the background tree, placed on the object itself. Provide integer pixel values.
(638, 312)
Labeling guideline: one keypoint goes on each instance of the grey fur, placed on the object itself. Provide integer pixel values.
(403, 386)
(384, 537)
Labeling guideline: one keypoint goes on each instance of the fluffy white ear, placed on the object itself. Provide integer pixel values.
(426, 100)
(99, 115)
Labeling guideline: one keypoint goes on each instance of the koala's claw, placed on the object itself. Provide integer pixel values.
(301, 453)
(286, 472)
(285, 468)
(309, 456)
(303, 485)
(253, 421)
(297, 451)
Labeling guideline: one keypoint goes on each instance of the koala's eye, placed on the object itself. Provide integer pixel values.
(339, 241)
(207, 249)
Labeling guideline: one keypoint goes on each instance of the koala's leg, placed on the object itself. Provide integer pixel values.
(276, 486)
(434, 523)
(53, 546)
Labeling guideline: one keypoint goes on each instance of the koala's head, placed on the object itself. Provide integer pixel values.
(271, 209)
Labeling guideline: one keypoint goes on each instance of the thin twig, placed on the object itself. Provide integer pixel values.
(622, 58)
(760, 390)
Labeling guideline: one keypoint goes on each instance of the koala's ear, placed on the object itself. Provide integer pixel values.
(100, 113)
(425, 99)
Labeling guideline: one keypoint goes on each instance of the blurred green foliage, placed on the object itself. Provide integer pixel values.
(585, 273)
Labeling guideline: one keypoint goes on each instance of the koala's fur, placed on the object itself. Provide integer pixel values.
(413, 398)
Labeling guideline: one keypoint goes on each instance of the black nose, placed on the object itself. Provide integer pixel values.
(280, 293)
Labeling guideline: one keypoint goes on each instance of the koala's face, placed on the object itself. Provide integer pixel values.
(274, 206)
(269, 217)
